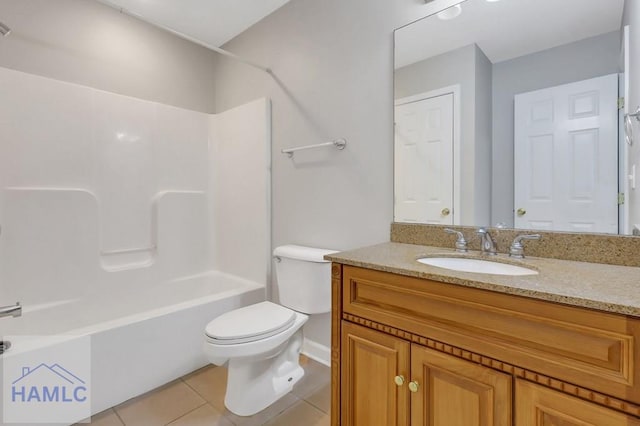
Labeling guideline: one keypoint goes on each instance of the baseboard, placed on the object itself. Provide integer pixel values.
(317, 352)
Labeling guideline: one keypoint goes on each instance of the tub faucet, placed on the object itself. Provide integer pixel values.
(11, 310)
(486, 242)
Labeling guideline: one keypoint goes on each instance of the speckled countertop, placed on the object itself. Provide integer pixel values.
(607, 288)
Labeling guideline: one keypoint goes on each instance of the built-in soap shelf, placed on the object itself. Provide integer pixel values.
(54, 212)
(135, 258)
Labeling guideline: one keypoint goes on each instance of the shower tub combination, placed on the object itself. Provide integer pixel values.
(140, 339)
(121, 222)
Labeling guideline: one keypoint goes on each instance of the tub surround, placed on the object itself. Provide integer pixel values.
(595, 248)
(118, 223)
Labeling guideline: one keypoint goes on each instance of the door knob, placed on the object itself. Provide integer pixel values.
(521, 212)
(445, 212)
(399, 380)
(414, 386)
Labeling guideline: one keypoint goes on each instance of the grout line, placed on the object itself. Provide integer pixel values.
(194, 389)
(291, 407)
(118, 416)
(224, 414)
(187, 413)
(315, 406)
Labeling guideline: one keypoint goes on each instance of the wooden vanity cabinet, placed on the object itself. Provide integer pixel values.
(408, 351)
(387, 381)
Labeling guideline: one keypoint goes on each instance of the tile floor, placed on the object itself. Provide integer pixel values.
(198, 399)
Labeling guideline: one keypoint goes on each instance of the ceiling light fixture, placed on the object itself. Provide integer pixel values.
(450, 13)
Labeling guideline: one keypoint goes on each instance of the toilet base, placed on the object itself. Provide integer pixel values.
(254, 384)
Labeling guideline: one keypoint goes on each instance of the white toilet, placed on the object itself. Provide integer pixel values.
(262, 342)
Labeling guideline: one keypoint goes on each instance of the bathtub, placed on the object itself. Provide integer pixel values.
(141, 338)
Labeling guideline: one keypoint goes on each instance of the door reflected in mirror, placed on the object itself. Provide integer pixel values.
(510, 113)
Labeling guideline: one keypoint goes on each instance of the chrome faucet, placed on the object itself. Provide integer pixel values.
(461, 242)
(11, 310)
(517, 249)
(487, 244)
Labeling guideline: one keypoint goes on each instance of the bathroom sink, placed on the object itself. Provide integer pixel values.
(476, 265)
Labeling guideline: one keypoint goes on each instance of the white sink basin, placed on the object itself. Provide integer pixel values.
(476, 265)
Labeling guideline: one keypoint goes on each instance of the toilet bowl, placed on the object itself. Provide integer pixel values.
(261, 343)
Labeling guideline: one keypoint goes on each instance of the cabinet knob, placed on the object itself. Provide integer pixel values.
(414, 386)
(521, 212)
(399, 380)
(445, 212)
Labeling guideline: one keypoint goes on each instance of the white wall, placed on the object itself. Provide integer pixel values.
(85, 42)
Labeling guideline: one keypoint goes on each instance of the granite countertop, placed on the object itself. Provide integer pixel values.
(598, 286)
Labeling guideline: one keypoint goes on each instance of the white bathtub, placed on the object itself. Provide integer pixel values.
(140, 339)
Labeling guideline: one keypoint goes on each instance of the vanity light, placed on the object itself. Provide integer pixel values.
(450, 13)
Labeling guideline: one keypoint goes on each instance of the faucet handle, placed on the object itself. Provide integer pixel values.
(517, 249)
(461, 242)
(487, 243)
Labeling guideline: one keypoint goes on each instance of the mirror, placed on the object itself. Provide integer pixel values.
(507, 114)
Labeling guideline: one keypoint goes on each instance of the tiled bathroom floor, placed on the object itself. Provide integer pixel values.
(198, 399)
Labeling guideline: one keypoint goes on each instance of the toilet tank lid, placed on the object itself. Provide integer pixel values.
(309, 254)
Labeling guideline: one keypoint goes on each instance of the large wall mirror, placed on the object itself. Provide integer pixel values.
(510, 113)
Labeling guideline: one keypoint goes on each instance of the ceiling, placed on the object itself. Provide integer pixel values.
(507, 29)
(214, 22)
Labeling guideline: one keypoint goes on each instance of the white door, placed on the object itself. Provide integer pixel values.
(566, 157)
(424, 161)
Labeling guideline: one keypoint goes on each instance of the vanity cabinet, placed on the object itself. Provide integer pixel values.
(412, 351)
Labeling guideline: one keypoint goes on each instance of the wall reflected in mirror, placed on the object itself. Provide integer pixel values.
(508, 113)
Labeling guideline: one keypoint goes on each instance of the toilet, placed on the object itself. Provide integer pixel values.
(261, 343)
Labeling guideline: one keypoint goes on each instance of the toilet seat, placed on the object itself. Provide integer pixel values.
(249, 324)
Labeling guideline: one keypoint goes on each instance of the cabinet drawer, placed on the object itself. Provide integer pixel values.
(588, 348)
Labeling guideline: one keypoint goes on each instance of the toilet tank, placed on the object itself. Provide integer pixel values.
(303, 278)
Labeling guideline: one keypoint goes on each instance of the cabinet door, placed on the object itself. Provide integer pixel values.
(454, 392)
(539, 406)
(370, 362)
